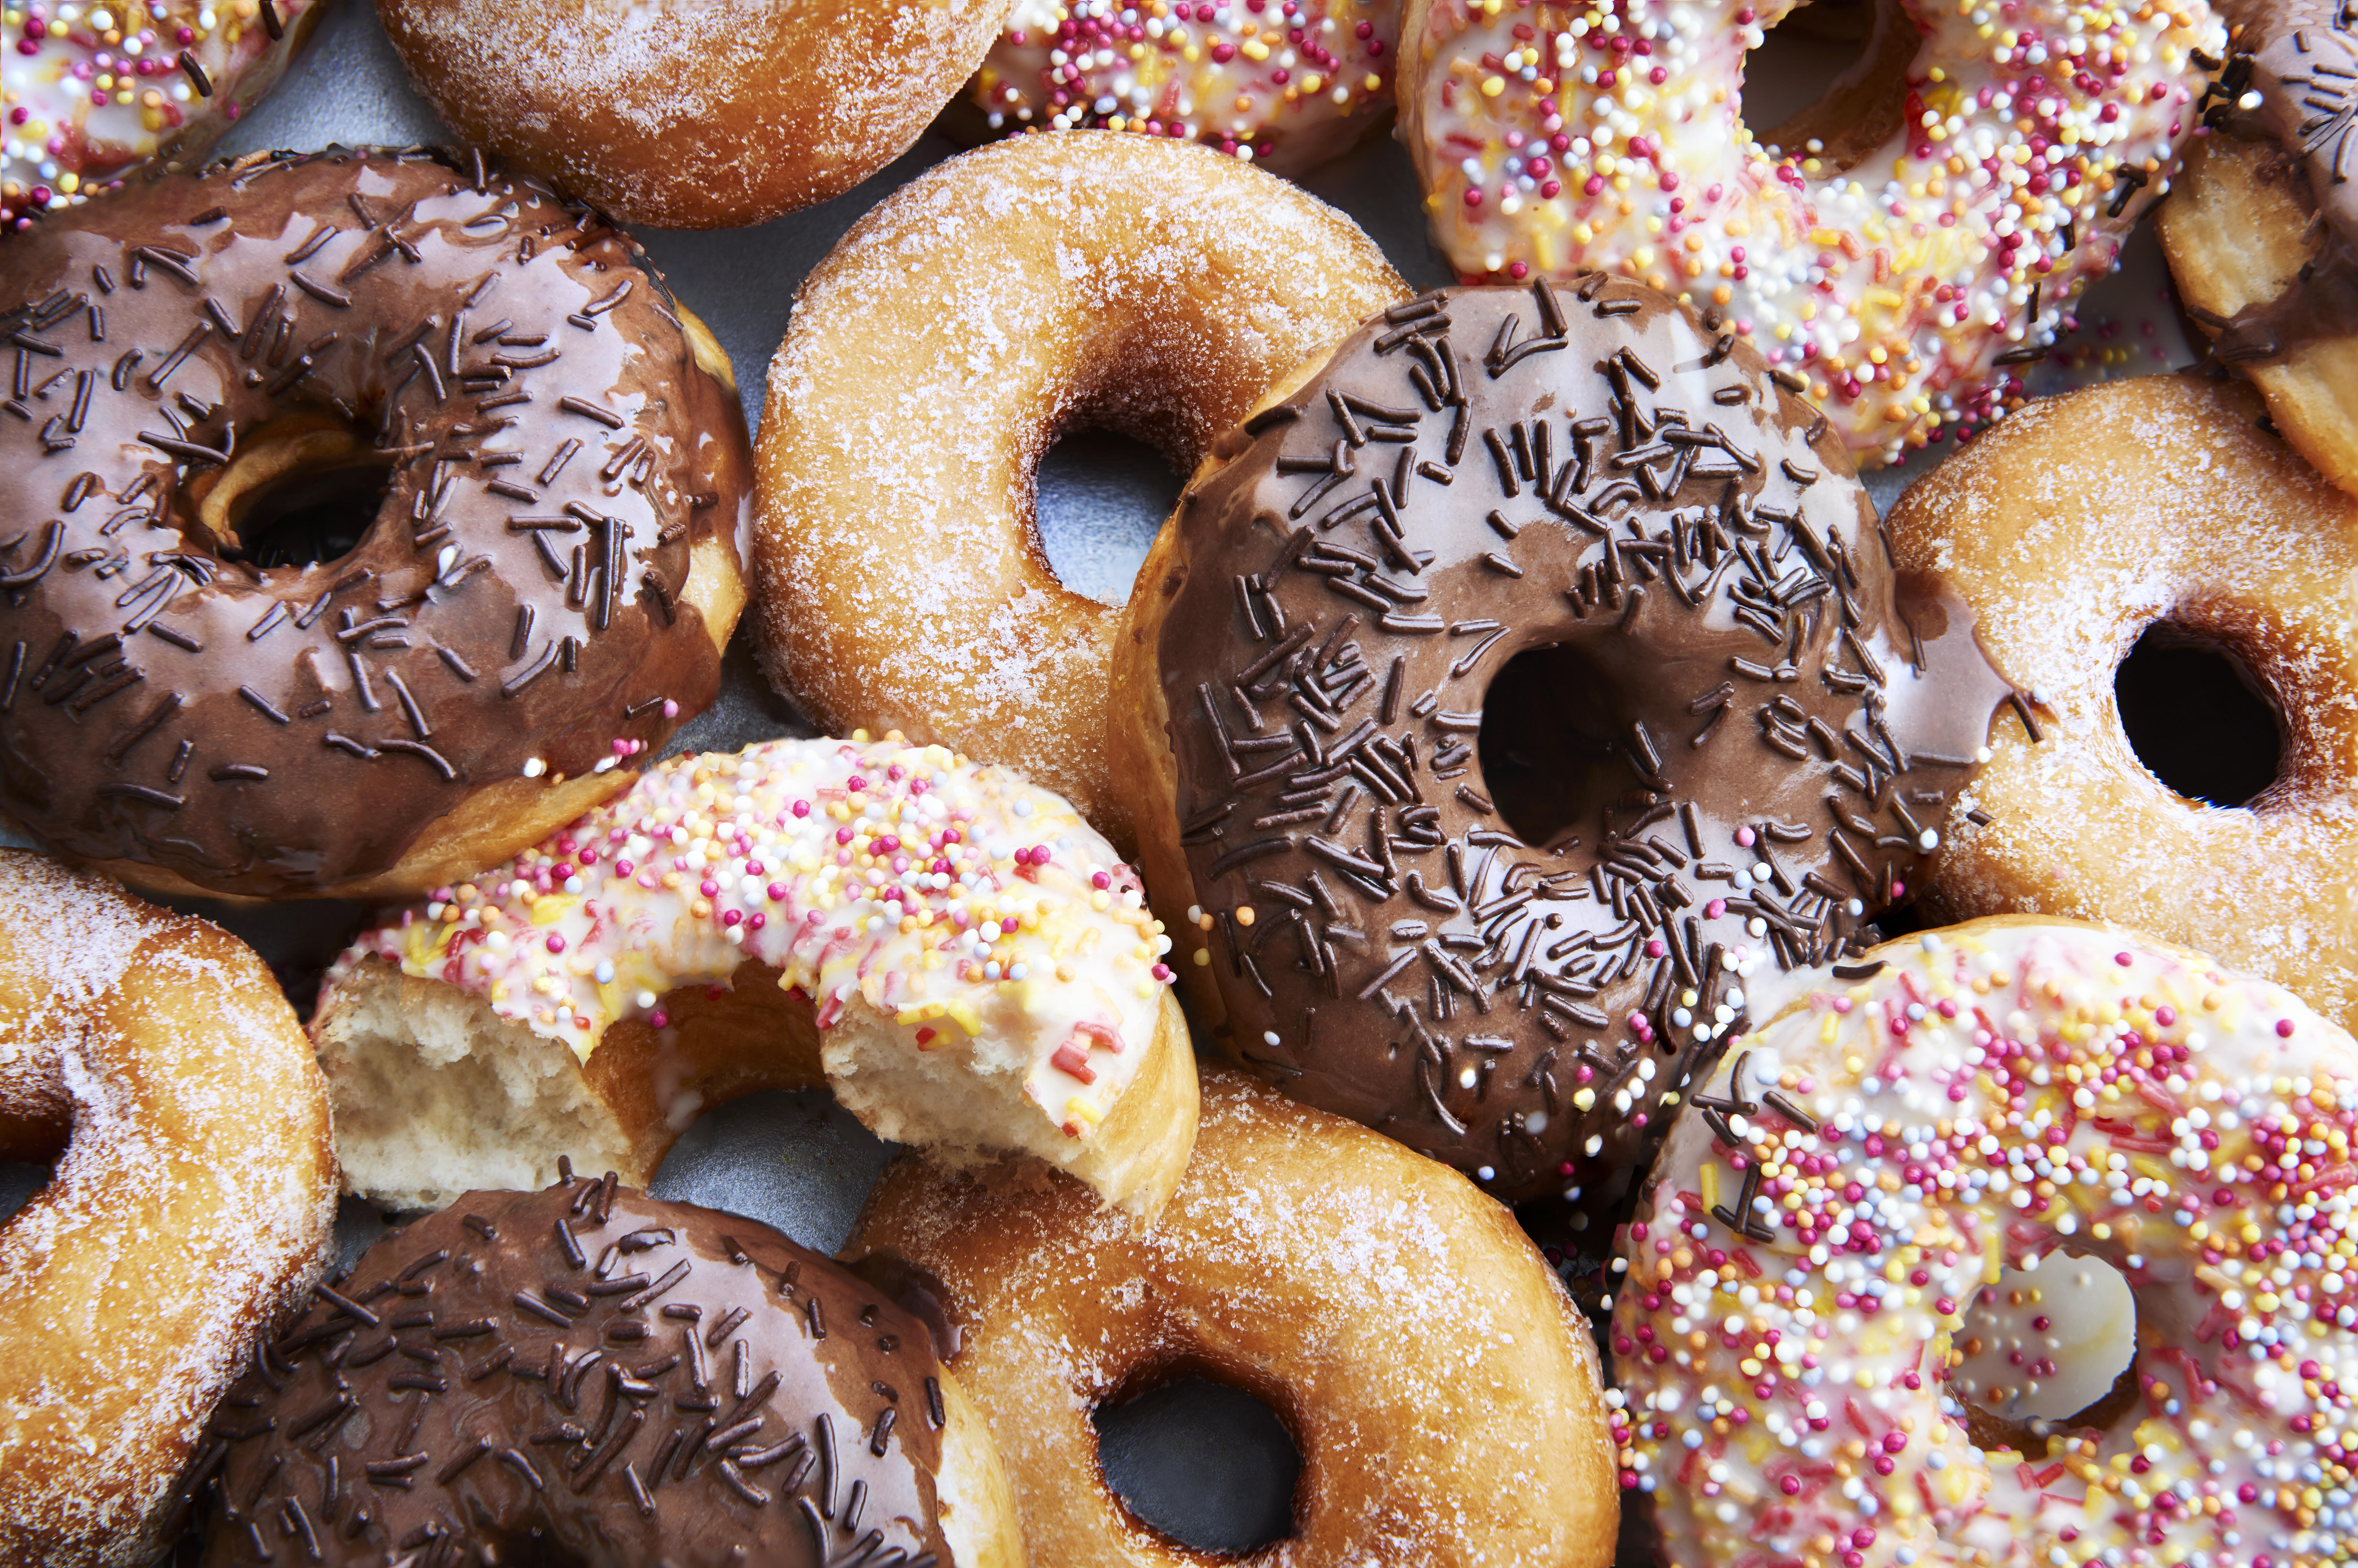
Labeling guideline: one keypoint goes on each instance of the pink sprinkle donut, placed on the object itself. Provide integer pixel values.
(86, 96)
(1287, 84)
(1997, 1097)
(1893, 269)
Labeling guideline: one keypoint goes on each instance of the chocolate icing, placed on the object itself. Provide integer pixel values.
(555, 455)
(589, 1375)
(1480, 473)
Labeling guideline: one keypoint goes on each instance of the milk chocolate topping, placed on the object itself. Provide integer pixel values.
(585, 1376)
(552, 454)
(1737, 753)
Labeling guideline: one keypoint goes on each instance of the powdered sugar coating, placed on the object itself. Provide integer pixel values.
(1440, 1388)
(1057, 281)
(1873, 1157)
(193, 1202)
(2071, 528)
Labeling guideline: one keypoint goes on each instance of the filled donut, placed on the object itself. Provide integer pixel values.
(953, 951)
(369, 513)
(2008, 1095)
(1287, 86)
(1441, 1386)
(1058, 282)
(1911, 240)
(689, 116)
(2154, 511)
(93, 93)
(589, 1375)
(152, 1057)
(1510, 698)
(2262, 238)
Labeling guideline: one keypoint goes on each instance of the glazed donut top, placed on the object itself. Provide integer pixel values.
(86, 96)
(952, 899)
(1766, 730)
(552, 456)
(1968, 1102)
(631, 1380)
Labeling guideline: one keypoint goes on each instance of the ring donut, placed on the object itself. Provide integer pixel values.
(554, 462)
(1055, 282)
(2073, 529)
(1918, 235)
(1440, 1384)
(1961, 1104)
(153, 1057)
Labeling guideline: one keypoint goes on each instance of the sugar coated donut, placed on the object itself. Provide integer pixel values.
(1287, 85)
(1502, 913)
(1442, 1387)
(532, 469)
(955, 951)
(152, 1057)
(2088, 522)
(1921, 234)
(2263, 239)
(1057, 282)
(691, 115)
(585, 1375)
(86, 99)
(1869, 1160)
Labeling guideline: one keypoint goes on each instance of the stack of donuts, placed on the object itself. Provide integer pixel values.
(1651, 1009)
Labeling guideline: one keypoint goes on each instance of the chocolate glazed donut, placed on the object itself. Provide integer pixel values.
(588, 1376)
(541, 456)
(1503, 908)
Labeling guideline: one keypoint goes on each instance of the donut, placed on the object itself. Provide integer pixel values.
(153, 1058)
(953, 950)
(1058, 282)
(2075, 529)
(1287, 87)
(521, 469)
(1964, 1103)
(1501, 908)
(688, 116)
(2262, 238)
(87, 100)
(1918, 237)
(1441, 1386)
(587, 1375)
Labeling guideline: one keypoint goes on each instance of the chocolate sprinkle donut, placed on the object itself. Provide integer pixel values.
(484, 374)
(1730, 756)
(589, 1375)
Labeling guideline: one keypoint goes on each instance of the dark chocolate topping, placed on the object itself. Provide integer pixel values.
(554, 454)
(583, 1375)
(2302, 60)
(1755, 734)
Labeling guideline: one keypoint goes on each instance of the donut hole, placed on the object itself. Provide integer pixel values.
(1551, 759)
(1203, 1462)
(303, 492)
(2045, 1350)
(1830, 80)
(2197, 718)
(19, 1184)
(1098, 499)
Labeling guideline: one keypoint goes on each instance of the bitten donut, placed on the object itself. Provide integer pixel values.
(2074, 529)
(953, 951)
(1287, 86)
(368, 514)
(2262, 238)
(1996, 1097)
(86, 99)
(690, 115)
(1442, 1387)
(153, 1059)
(589, 1375)
(1920, 232)
(1057, 282)
(1500, 908)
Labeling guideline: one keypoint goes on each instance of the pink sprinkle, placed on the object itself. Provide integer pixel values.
(777, 891)
(709, 887)
(2284, 1027)
(843, 835)
(2123, 959)
(1745, 838)
(802, 808)
(756, 921)
(670, 708)
(1101, 881)
(659, 1018)
(556, 943)
(730, 917)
